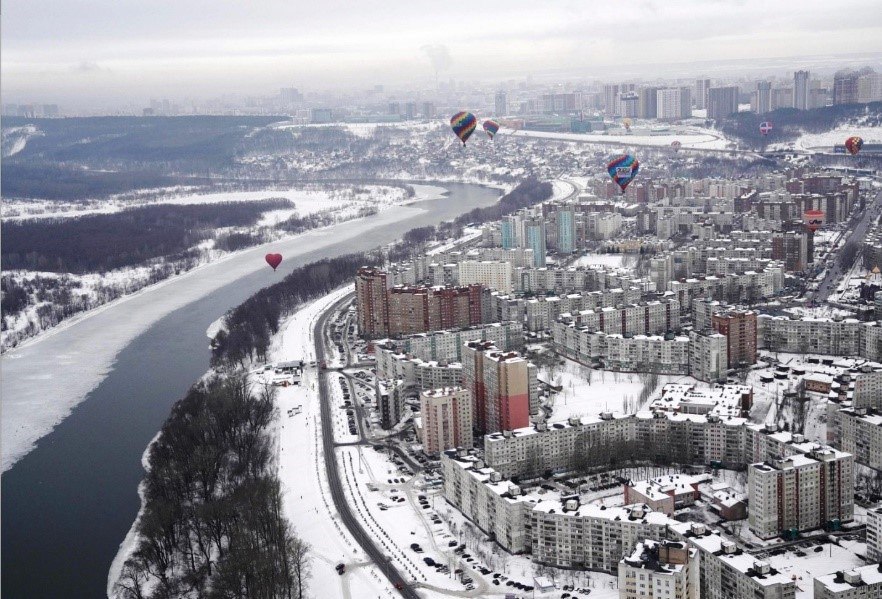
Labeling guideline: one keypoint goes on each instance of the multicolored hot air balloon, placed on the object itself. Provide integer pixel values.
(854, 144)
(627, 123)
(765, 128)
(463, 124)
(676, 146)
(491, 127)
(623, 170)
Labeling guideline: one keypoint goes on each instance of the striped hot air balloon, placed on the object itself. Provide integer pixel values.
(463, 124)
(623, 170)
(491, 127)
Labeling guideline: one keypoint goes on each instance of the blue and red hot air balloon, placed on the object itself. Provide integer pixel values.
(765, 128)
(623, 170)
(463, 124)
(491, 127)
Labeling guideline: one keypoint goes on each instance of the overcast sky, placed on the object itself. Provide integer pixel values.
(113, 51)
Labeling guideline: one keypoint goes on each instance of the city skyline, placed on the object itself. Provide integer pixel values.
(109, 54)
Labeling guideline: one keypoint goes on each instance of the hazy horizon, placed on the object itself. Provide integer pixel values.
(103, 53)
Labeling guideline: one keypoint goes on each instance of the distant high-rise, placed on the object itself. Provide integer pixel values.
(630, 104)
(671, 101)
(611, 99)
(685, 102)
(701, 88)
(870, 88)
(647, 104)
(428, 110)
(721, 102)
(290, 95)
(845, 87)
(801, 90)
(534, 231)
(761, 99)
(566, 229)
(501, 104)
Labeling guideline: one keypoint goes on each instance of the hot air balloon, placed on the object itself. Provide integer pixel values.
(491, 127)
(854, 144)
(814, 219)
(463, 124)
(623, 170)
(676, 146)
(765, 128)
(627, 123)
(274, 260)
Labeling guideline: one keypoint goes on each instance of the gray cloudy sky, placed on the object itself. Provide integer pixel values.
(113, 51)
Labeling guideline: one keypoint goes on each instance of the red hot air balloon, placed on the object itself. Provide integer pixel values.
(765, 128)
(676, 145)
(854, 144)
(274, 260)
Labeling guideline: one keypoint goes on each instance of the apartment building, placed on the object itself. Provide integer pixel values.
(739, 328)
(503, 384)
(864, 582)
(660, 570)
(446, 414)
(489, 274)
(833, 336)
(647, 318)
(857, 431)
(384, 310)
(726, 572)
(542, 311)
(446, 345)
(874, 533)
(801, 492)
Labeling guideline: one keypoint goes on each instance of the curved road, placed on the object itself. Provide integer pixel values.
(354, 527)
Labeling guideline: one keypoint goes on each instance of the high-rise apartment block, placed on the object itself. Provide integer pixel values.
(801, 492)
(721, 102)
(801, 90)
(446, 419)
(739, 328)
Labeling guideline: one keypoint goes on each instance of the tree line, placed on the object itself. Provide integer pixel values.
(212, 523)
(102, 242)
(249, 326)
(789, 123)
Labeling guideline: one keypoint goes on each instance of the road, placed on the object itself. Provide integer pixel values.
(858, 232)
(354, 527)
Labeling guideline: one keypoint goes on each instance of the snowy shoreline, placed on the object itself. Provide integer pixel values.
(47, 376)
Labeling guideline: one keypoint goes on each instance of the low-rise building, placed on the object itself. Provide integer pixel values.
(666, 494)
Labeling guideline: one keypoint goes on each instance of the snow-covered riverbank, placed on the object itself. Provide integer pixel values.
(46, 377)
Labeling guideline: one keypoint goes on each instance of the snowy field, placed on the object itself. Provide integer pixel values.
(306, 201)
(691, 137)
(825, 141)
(613, 260)
(588, 392)
(46, 377)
